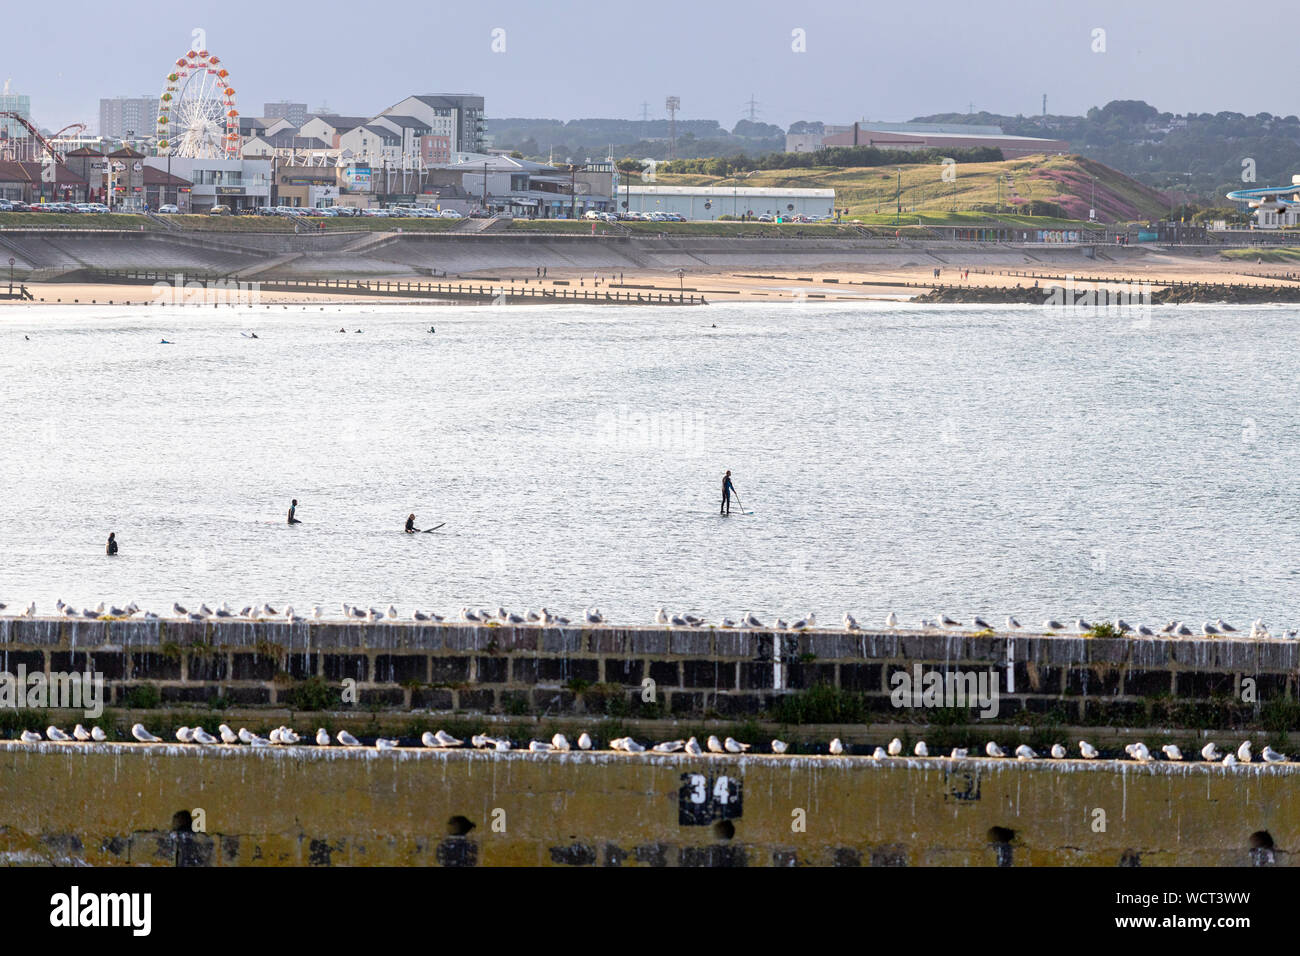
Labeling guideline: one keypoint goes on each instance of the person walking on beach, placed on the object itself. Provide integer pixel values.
(727, 489)
(111, 547)
(293, 506)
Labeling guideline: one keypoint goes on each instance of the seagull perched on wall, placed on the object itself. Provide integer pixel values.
(142, 735)
(322, 737)
(958, 753)
(921, 750)
(778, 746)
(54, 733)
(245, 735)
(1272, 756)
(1209, 629)
(749, 620)
(895, 747)
(1081, 625)
(201, 736)
(1122, 625)
(993, 750)
(982, 624)
(97, 734)
(677, 621)
(1172, 752)
(891, 620)
(539, 747)
(1138, 752)
(347, 740)
(1243, 752)
(715, 745)
(1088, 751)
(849, 623)
(879, 754)
(837, 747)
(593, 616)
(946, 621)
(1052, 625)
(1145, 631)
(80, 732)
(1230, 760)
(669, 746)
(1025, 752)
(1211, 753)
(561, 743)
(693, 747)
(383, 743)
(734, 746)
(1182, 630)
(1223, 626)
(632, 747)
(584, 741)
(726, 622)
(446, 740)
(30, 737)
(1058, 752)
(228, 736)
(1013, 624)
(185, 735)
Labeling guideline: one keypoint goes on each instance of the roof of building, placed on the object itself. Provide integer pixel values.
(340, 123)
(406, 122)
(126, 152)
(83, 151)
(153, 176)
(387, 136)
(448, 100)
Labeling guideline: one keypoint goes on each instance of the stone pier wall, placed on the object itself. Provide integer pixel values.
(694, 672)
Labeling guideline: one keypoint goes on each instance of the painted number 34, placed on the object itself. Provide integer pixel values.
(702, 800)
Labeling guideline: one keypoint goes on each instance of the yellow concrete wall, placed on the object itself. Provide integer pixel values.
(115, 803)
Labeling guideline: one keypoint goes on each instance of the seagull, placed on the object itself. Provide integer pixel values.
(1081, 625)
(317, 612)
(1172, 752)
(750, 620)
(675, 621)
(322, 737)
(779, 746)
(201, 736)
(1088, 751)
(1058, 752)
(467, 615)
(849, 623)
(392, 612)
(533, 617)
(97, 734)
(669, 746)
(1183, 630)
(245, 735)
(895, 747)
(982, 624)
(1145, 631)
(993, 750)
(1209, 629)
(1230, 760)
(1243, 752)
(228, 736)
(632, 747)
(80, 732)
(715, 745)
(539, 747)
(693, 747)
(593, 616)
(185, 735)
(1272, 756)
(176, 609)
(584, 741)
(946, 621)
(142, 735)
(1257, 629)
(347, 740)
(383, 743)
(53, 733)
(223, 611)
(618, 743)
(501, 745)
(837, 748)
(30, 737)
(372, 615)
(1211, 753)
(661, 616)
(958, 753)
(1012, 624)
(275, 736)
(428, 739)
(1122, 625)
(480, 741)
(891, 620)
(734, 746)
(727, 622)
(1224, 627)
(561, 743)
(1139, 752)
(31, 610)
(446, 740)
(921, 750)
(879, 754)
(1052, 625)
(799, 625)
(1025, 752)
(781, 625)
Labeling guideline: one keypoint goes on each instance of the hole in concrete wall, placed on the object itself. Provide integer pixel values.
(724, 830)
(182, 822)
(1000, 838)
(459, 826)
(1261, 848)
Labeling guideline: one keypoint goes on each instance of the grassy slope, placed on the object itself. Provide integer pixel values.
(869, 192)
(206, 223)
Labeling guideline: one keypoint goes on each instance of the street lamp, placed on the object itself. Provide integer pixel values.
(12, 260)
(898, 196)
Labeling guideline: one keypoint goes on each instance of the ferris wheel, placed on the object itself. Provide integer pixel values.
(196, 111)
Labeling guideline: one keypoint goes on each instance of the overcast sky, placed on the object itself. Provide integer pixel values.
(570, 59)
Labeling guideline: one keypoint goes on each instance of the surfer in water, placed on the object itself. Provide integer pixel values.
(410, 525)
(111, 548)
(293, 507)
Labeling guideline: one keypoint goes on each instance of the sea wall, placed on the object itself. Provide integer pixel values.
(171, 805)
(652, 671)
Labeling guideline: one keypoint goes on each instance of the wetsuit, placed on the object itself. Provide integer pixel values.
(410, 525)
(112, 546)
(727, 489)
(292, 519)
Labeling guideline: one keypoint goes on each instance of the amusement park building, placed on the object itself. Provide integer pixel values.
(24, 181)
(239, 184)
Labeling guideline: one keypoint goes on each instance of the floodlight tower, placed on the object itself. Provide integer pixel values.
(673, 104)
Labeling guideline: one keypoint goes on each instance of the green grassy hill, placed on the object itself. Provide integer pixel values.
(1065, 182)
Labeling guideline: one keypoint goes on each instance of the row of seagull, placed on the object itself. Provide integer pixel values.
(544, 617)
(559, 743)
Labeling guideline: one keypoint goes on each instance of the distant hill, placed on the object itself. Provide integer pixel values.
(1053, 186)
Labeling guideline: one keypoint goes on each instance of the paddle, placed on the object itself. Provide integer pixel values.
(739, 502)
(435, 528)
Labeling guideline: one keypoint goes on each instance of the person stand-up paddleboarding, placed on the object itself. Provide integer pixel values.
(111, 547)
(293, 507)
(727, 489)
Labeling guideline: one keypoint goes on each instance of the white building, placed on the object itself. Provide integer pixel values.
(240, 184)
(712, 202)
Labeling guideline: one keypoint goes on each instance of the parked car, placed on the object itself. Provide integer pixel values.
(219, 211)
(17, 205)
(169, 209)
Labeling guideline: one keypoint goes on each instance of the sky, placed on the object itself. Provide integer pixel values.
(829, 60)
